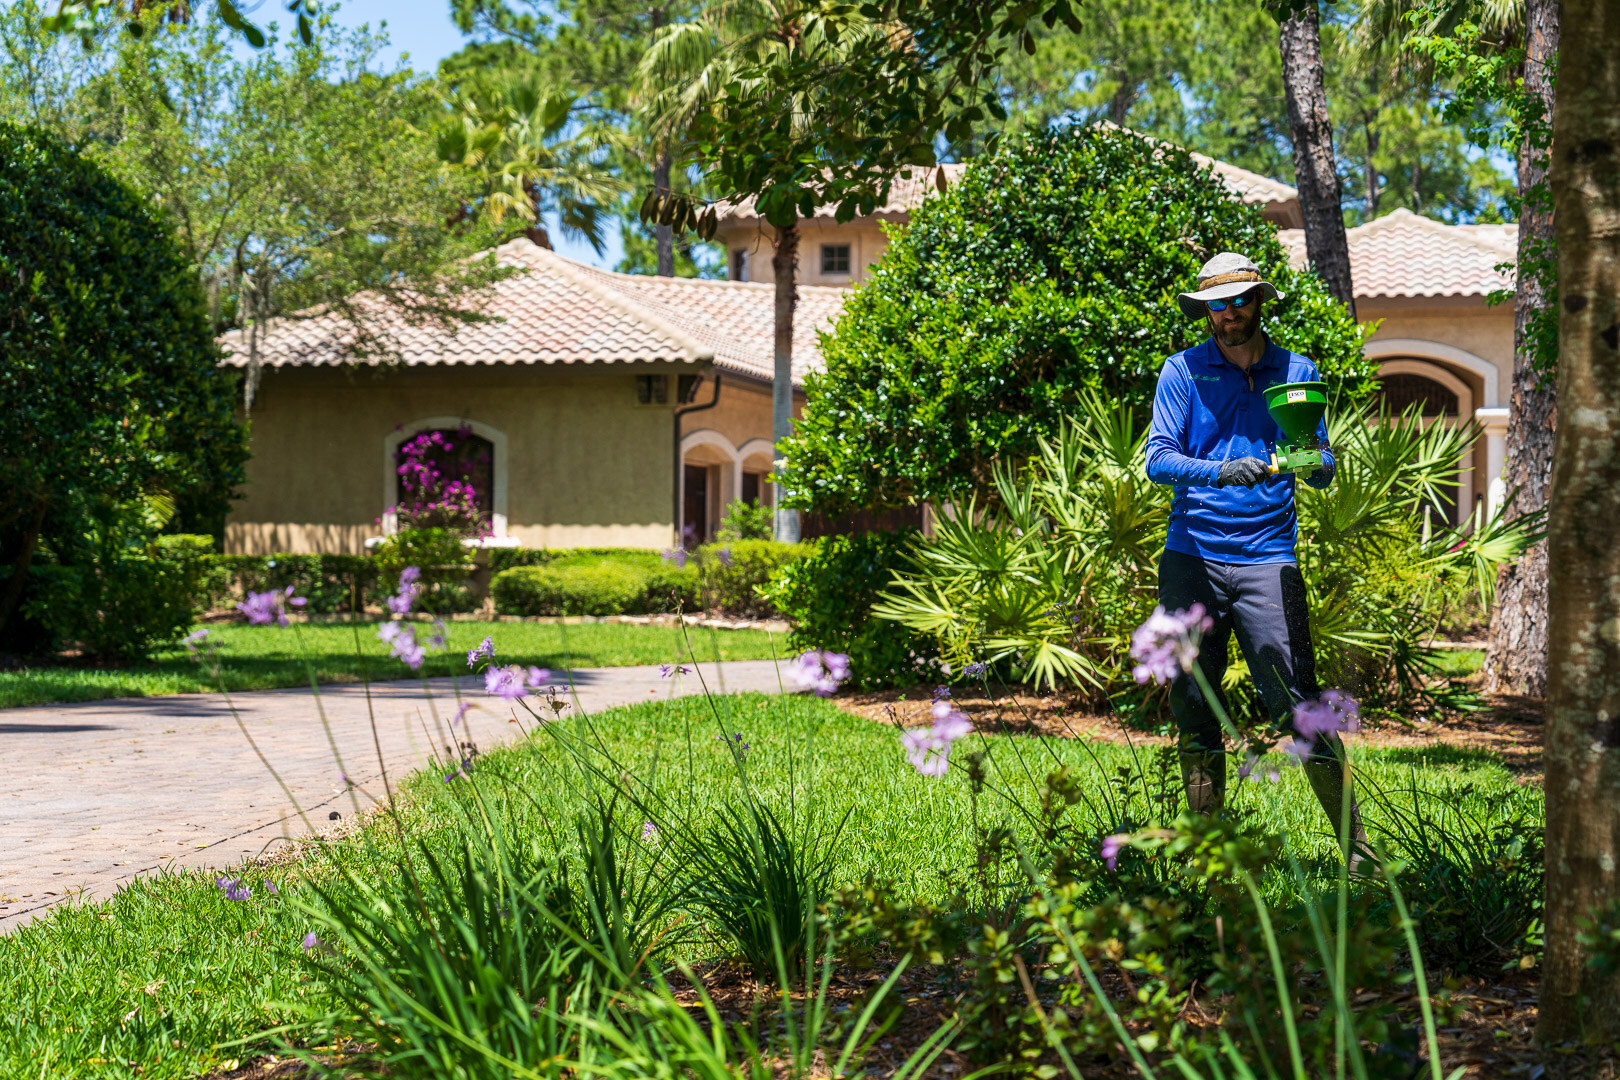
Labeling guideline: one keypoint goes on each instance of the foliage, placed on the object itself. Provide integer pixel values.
(603, 586)
(828, 594)
(225, 142)
(1476, 875)
(1048, 271)
(1052, 577)
(735, 583)
(444, 562)
(330, 582)
(745, 521)
(112, 390)
(436, 484)
(114, 591)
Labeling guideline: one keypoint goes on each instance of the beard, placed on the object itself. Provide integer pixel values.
(1234, 336)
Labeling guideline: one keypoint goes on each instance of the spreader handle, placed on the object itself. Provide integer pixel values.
(1274, 469)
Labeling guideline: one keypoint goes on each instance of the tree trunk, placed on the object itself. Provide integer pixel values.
(664, 235)
(784, 266)
(1315, 173)
(1583, 638)
(1516, 661)
(1371, 179)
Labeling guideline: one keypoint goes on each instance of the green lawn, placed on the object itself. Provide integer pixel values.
(1461, 662)
(266, 657)
(168, 973)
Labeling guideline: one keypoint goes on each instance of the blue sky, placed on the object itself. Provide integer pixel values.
(422, 32)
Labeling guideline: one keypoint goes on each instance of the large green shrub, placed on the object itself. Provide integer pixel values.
(731, 575)
(111, 388)
(599, 589)
(828, 593)
(1050, 269)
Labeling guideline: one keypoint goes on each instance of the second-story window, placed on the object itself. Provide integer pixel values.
(835, 258)
(739, 265)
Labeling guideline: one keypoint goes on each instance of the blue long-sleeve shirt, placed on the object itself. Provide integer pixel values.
(1208, 411)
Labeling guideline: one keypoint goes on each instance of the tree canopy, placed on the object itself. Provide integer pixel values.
(111, 389)
(1048, 271)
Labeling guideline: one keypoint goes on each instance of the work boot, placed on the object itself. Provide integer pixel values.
(1327, 780)
(1203, 777)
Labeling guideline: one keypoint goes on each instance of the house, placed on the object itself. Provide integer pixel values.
(609, 409)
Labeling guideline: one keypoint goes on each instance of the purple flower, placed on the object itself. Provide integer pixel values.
(953, 724)
(1166, 644)
(736, 739)
(262, 608)
(724, 555)
(233, 888)
(195, 638)
(1299, 749)
(505, 682)
(311, 941)
(1111, 846)
(461, 711)
(976, 669)
(649, 832)
(270, 887)
(666, 671)
(927, 752)
(451, 775)
(537, 677)
(1247, 768)
(941, 693)
(409, 575)
(676, 557)
(819, 672)
(436, 639)
(1333, 711)
(485, 650)
(402, 644)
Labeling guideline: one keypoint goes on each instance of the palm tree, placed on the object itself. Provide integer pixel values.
(685, 72)
(531, 154)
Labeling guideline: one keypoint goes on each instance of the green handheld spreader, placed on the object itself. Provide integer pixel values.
(1297, 407)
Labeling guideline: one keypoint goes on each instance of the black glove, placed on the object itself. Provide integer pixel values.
(1247, 471)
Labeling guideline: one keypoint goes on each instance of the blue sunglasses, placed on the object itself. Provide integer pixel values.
(1241, 301)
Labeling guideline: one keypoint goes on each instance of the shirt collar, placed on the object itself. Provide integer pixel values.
(1272, 357)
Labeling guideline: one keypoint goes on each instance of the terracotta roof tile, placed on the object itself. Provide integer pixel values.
(1405, 254)
(561, 312)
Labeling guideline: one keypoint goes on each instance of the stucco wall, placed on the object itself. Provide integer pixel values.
(585, 464)
(865, 239)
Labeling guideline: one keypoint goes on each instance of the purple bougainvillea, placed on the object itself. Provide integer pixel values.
(446, 479)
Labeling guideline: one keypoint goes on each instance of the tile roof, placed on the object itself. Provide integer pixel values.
(1406, 254)
(561, 312)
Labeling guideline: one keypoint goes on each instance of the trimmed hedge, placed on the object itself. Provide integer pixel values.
(828, 594)
(594, 586)
(736, 589)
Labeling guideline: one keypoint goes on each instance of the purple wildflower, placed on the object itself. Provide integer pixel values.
(460, 713)
(451, 775)
(402, 644)
(927, 752)
(736, 739)
(941, 693)
(1247, 768)
(485, 650)
(1166, 644)
(666, 671)
(233, 888)
(953, 724)
(437, 638)
(724, 555)
(311, 941)
(819, 672)
(649, 832)
(505, 682)
(976, 669)
(1333, 711)
(1299, 749)
(270, 887)
(196, 638)
(404, 597)
(1111, 846)
(262, 608)
(676, 557)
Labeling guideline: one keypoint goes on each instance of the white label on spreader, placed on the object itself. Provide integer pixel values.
(1295, 395)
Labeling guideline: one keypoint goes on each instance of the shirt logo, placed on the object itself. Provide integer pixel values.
(1207, 378)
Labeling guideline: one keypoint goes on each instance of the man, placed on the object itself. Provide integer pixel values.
(1232, 527)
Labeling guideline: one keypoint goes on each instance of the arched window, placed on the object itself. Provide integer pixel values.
(1402, 391)
(445, 477)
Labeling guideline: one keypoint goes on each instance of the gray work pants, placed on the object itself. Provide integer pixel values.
(1265, 604)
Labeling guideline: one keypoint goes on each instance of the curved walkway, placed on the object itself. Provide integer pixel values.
(97, 793)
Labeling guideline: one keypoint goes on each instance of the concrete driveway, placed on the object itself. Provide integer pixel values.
(97, 793)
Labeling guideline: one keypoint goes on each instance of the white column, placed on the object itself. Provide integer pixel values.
(1494, 421)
